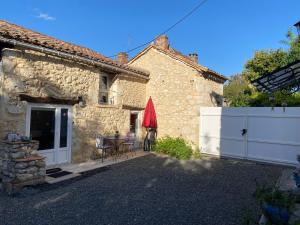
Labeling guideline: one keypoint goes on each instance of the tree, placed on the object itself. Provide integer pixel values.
(294, 50)
(239, 91)
(264, 62)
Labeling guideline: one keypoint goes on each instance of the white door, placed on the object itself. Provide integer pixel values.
(262, 134)
(135, 127)
(51, 125)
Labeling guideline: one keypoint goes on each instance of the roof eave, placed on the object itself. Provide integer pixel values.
(99, 63)
(203, 69)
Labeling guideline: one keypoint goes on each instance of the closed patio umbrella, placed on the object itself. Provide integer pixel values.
(149, 121)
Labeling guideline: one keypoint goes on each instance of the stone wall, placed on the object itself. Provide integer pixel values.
(177, 91)
(20, 165)
(41, 75)
(93, 120)
(133, 91)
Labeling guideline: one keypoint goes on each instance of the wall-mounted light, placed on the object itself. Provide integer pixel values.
(297, 25)
(81, 102)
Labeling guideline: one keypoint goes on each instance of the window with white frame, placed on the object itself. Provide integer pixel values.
(104, 89)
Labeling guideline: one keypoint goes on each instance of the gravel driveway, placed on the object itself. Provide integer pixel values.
(146, 190)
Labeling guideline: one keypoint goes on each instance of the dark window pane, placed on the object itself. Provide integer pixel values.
(133, 121)
(103, 97)
(42, 127)
(63, 128)
(104, 83)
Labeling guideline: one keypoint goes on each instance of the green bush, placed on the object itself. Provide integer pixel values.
(174, 147)
(197, 154)
(274, 197)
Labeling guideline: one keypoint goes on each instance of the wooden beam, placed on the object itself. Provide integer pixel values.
(49, 100)
(132, 107)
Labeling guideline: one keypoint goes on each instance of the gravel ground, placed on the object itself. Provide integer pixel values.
(146, 190)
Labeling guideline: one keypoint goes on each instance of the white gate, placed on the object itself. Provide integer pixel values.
(256, 133)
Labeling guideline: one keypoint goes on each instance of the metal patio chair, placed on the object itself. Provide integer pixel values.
(129, 145)
(101, 146)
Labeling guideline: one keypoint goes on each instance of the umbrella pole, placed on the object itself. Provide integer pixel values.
(146, 142)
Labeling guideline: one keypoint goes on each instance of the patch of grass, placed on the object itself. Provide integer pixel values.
(174, 147)
(197, 154)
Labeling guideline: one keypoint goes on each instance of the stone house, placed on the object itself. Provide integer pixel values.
(63, 94)
(179, 86)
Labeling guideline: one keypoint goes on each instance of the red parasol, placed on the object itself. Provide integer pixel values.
(149, 115)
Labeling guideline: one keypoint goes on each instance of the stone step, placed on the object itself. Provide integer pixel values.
(51, 180)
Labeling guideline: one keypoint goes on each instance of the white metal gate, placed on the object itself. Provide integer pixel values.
(263, 134)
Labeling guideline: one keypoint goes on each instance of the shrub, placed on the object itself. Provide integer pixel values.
(197, 154)
(271, 195)
(174, 147)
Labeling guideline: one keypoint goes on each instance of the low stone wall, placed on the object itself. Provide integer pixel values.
(20, 165)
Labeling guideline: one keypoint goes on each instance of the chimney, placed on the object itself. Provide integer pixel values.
(122, 57)
(162, 42)
(194, 57)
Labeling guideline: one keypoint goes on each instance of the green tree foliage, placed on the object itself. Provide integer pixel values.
(264, 62)
(239, 92)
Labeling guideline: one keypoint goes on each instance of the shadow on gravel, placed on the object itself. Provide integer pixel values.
(148, 190)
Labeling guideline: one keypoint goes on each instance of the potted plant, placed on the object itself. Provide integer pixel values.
(276, 205)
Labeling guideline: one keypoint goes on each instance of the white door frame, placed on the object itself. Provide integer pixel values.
(138, 128)
(138, 124)
(57, 109)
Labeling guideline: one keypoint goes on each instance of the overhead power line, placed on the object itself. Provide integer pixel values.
(168, 29)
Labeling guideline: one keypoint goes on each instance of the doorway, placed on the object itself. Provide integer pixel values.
(135, 127)
(51, 125)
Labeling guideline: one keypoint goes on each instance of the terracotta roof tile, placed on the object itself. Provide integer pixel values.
(179, 56)
(18, 33)
(187, 60)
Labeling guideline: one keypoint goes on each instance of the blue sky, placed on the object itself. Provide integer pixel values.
(224, 33)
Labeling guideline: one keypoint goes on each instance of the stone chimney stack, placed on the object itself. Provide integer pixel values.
(122, 57)
(194, 57)
(162, 42)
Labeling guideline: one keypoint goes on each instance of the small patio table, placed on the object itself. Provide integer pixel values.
(116, 142)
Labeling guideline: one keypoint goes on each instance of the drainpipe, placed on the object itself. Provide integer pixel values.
(103, 65)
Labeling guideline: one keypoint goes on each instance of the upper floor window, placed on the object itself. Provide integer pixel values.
(104, 89)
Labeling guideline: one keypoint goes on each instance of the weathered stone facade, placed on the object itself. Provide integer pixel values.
(178, 91)
(20, 165)
(40, 75)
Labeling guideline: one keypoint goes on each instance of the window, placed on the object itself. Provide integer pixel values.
(103, 95)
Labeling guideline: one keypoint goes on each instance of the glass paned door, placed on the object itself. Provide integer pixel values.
(63, 133)
(42, 127)
(51, 126)
(63, 128)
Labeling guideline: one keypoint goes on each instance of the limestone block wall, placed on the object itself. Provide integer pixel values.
(93, 120)
(178, 91)
(39, 75)
(133, 91)
(42, 75)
